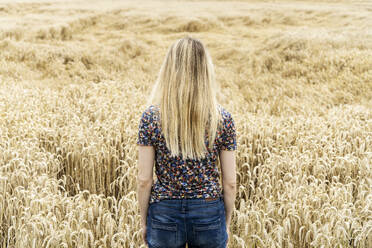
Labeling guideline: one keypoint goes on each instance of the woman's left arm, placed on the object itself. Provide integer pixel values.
(146, 158)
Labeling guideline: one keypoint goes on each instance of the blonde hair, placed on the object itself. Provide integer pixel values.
(185, 92)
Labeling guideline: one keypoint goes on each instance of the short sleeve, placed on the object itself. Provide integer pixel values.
(229, 134)
(146, 129)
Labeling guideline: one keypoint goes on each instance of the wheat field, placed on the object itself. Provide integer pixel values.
(74, 78)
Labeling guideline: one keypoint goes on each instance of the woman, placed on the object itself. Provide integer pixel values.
(185, 132)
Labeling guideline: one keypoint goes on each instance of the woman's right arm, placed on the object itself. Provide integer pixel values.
(227, 159)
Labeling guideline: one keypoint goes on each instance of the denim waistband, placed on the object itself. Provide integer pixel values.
(190, 200)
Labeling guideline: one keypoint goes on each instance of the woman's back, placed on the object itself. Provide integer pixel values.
(179, 178)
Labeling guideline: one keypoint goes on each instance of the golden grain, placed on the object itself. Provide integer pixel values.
(296, 76)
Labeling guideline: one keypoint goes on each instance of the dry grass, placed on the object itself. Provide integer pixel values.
(296, 76)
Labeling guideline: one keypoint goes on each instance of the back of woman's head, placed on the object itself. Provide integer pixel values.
(185, 92)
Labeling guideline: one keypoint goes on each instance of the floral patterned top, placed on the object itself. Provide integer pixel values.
(190, 178)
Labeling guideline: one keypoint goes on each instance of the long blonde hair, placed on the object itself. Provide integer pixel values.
(185, 92)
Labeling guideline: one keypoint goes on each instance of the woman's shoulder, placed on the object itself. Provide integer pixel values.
(226, 114)
(228, 123)
(151, 112)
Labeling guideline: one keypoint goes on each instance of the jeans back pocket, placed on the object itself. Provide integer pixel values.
(162, 234)
(207, 233)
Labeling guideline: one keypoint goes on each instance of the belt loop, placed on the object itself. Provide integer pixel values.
(183, 205)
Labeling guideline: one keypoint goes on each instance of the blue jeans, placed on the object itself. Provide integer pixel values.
(171, 223)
